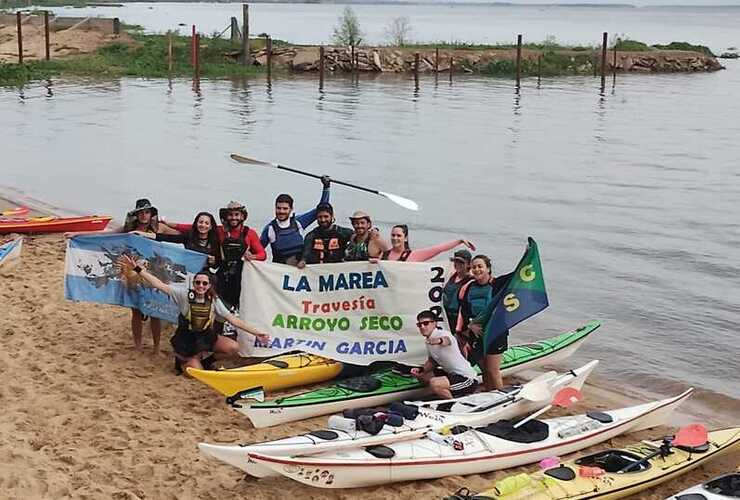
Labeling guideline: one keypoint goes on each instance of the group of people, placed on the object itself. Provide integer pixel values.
(213, 297)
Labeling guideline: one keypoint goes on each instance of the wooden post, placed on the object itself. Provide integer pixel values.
(416, 71)
(539, 69)
(234, 27)
(46, 35)
(603, 60)
(197, 55)
(518, 59)
(268, 43)
(169, 51)
(20, 37)
(614, 60)
(321, 67)
(452, 65)
(192, 48)
(352, 57)
(436, 59)
(246, 55)
(116, 26)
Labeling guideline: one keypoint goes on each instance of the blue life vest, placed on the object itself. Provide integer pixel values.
(288, 240)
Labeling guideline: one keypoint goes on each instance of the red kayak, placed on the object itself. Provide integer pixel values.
(54, 224)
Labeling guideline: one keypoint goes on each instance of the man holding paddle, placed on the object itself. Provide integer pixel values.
(284, 233)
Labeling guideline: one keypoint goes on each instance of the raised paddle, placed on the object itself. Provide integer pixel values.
(563, 398)
(399, 200)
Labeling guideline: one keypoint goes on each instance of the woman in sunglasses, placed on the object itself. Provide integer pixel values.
(400, 249)
(200, 308)
(446, 371)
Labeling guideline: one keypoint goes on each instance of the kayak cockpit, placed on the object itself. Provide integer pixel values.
(615, 461)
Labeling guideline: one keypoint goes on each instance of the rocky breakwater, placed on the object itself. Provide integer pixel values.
(402, 60)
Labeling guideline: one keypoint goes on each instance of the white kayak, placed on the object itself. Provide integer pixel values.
(720, 488)
(475, 409)
(472, 451)
(386, 386)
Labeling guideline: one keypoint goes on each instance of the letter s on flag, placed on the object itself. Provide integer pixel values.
(511, 302)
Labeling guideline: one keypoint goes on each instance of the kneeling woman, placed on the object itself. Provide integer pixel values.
(200, 308)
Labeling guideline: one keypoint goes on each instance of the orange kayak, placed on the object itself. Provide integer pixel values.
(54, 224)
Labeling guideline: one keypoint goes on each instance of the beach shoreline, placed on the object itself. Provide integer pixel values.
(87, 416)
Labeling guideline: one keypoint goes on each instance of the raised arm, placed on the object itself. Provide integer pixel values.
(308, 218)
(424, 254)
(126, 261)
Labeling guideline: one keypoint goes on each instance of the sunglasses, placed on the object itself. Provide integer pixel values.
(201, 282)
(424, 323)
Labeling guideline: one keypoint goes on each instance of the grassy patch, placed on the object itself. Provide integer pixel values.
(498, 46)
(632, 46)
(553, 64)
(685, 46)
(148, 59)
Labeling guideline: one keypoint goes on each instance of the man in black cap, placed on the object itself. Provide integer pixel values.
(461, 260)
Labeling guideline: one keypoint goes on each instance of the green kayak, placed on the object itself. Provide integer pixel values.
(385, 386)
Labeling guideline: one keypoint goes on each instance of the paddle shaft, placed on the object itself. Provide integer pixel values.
(315, 176)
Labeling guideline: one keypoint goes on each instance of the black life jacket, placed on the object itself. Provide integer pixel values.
(404, 255)
(232, 249)
(327, 247)
(200, 318)
(196, 246)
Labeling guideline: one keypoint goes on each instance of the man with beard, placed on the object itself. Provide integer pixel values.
(365, 243)
(326, 243)
(238, 243)
(285, 232)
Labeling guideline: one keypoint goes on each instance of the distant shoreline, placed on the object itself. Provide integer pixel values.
(21, 4)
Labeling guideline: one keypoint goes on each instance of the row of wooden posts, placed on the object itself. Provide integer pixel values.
(47, 39)
(246, 56)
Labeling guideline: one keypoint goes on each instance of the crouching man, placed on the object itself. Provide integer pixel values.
(446, 371)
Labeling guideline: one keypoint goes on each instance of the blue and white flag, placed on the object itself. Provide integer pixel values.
(10, 250)
(92, 273)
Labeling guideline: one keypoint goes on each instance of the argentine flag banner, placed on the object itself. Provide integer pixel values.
(92, 273)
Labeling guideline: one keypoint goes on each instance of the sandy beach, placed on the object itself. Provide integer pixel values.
(85, 416)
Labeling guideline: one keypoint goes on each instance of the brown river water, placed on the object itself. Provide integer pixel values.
(632, 194)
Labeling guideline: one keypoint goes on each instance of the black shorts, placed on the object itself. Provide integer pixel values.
(499, 345)
(188, 344)
(459, 385)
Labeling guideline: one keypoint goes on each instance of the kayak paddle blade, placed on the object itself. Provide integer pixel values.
(567, 396)
(400, 200)
(249, 161)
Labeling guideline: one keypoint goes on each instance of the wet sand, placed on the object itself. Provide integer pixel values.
(85, 416)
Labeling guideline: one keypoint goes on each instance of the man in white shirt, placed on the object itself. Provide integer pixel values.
(446, 371)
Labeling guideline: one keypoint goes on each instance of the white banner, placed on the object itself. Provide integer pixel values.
(355, 312)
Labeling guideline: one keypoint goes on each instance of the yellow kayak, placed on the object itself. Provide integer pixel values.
(570, 479)
(280, 372)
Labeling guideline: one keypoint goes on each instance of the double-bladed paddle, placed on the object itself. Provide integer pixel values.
(399, 200)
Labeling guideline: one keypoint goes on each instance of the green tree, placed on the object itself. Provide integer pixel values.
(348, 32)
